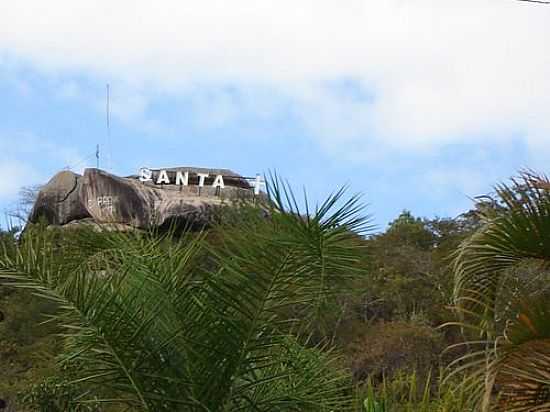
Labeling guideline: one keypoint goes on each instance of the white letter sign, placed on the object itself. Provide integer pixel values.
(218, 182)
(182, 178)
(163, 178)
(202, 176)
(145, 175)
(258, 184)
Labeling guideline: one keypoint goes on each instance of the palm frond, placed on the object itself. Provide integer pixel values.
(515, 365)
(197, 324)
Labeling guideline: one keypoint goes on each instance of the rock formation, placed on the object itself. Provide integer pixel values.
(102, 198)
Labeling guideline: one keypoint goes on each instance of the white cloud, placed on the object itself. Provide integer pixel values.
(465, 181)
(26, 159)
(439, 72)
(14, 176)
(20, 145)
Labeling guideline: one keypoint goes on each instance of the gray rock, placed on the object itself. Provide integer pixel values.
(59, 201)
(105, 199)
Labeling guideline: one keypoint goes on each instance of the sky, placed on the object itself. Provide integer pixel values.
(417, 104)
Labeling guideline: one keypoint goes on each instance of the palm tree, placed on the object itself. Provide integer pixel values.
(205, 321)
(501, 292)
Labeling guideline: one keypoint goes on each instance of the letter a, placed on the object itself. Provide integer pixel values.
(163, 178)
(218, 182)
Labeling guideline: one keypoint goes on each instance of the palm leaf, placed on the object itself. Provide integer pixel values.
(193, 324)
(516, 363)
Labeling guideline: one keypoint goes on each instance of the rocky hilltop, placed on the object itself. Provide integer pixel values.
(154, 198)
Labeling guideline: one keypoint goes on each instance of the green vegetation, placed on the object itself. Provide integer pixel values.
(502, 294)
(302, 310)
(158, 322)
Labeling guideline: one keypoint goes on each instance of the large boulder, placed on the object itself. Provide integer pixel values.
(59, 200)
(106, 199)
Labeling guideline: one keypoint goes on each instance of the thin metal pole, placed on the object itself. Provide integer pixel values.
(108, 115)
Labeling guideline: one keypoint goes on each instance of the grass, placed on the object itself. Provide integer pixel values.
(27, 347)
(407, 392)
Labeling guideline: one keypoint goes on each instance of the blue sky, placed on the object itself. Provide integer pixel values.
(418, 105)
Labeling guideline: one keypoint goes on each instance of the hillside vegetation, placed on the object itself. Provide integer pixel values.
(305, 310)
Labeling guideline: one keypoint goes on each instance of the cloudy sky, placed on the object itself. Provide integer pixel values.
(417, 104)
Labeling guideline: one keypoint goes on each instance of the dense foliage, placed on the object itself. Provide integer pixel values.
(282, 308)
(155, 322)
(502, 295)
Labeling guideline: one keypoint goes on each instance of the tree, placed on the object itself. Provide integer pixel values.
(501, 292)
(192, 324)
(408, 264)
(24, 204)
(410, 230)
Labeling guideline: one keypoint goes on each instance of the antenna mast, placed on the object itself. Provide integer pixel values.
(108, 116)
